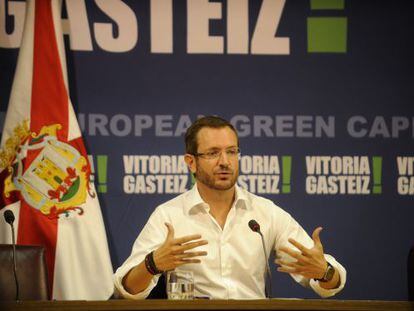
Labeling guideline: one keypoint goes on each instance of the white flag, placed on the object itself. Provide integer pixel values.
(44, 169)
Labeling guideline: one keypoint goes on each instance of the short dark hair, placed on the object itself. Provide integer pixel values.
(191, 144)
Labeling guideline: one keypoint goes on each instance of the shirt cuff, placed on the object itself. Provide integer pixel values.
(121, 291)
(325, 293)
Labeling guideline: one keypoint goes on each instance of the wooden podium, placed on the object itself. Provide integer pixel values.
(272, 304)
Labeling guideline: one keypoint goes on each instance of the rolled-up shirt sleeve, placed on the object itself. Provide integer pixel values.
(119, 275)
(151, 237)
(325, 293)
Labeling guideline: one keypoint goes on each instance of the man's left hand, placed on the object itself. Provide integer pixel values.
(310, 262)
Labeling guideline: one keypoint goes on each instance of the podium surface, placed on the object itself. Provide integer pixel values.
(263, 304)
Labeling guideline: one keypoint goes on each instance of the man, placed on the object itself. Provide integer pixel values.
(206, 230)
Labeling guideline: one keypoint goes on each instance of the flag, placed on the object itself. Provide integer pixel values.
(44, 169)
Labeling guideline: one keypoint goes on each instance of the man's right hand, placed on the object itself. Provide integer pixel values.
(175, 252)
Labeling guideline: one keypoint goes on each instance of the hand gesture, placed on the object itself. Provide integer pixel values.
(310, 262)
(175, 252)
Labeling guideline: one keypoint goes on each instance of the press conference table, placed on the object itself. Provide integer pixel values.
(273, 304)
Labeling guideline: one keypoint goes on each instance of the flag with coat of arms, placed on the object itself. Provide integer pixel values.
(44, 168)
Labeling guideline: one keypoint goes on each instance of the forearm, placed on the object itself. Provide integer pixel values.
(173, 253)
(137, 279)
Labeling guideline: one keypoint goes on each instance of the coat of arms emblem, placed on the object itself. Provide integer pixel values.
(56, 180)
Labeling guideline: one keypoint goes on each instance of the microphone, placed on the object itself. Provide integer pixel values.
(255, 227)
(9, 218)
(253, 224)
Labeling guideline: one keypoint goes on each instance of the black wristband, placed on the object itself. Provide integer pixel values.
(150, 264)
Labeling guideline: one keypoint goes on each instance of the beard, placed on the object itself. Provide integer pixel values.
(213, 181)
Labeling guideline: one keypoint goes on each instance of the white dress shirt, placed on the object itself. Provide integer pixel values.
(234, 267)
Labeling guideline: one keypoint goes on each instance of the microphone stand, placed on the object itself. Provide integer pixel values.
(255, 227)
(9, 218)
(14, 263)
(268, 272)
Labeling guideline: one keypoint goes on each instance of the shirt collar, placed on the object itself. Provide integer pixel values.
(193, 199)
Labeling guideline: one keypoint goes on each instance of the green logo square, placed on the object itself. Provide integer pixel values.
(327, 34)
(327, 4)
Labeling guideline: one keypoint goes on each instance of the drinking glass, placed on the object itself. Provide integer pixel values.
(180, 285)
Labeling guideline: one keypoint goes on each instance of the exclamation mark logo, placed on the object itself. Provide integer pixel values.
(377, 175)
(102, 164)
(327, 34)
(92, 166)
(286, 173)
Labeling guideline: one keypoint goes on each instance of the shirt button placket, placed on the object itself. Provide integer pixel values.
(224, 263)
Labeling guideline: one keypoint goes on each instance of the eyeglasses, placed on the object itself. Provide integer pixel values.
(215, 154)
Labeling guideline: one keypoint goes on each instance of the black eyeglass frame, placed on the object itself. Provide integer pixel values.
(217, 154)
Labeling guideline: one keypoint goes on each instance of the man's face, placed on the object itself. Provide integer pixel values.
(219, 173)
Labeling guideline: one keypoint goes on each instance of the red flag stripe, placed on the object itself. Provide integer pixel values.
(36, 229)
(49, 96)
(49, 105)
